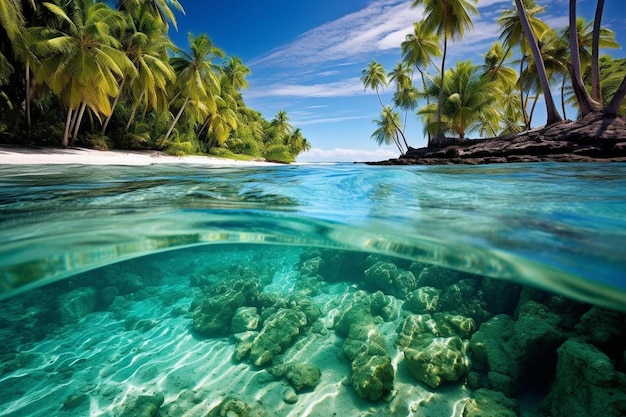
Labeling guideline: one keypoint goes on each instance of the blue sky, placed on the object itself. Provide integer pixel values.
(306, 57)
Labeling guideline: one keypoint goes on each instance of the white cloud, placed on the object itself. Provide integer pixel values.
(381, 25)
(325, 120)
(346, 155)
(486, 3)
(342, 88)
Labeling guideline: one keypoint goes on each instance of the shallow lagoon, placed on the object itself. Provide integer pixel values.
(412, 291)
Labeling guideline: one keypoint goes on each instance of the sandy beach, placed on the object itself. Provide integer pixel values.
(14, 155)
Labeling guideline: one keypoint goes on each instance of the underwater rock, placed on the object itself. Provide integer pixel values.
(454, 325)
(301, 375)
(372, 371)
(244, 344)
(354, 309)
(290, 396)
(387, 277)
(439, 324)
(244, 319)
(423, 300)
(278, 333)
(413, 326)
(384, 306)
(213, 313)
(500, 295)
(73, 401)
(435, 276)
(464, 298)
(77, 304)
(492, 349)
(332, 265)
(435, 360)
(433, 350)
(536, 329)
(306, 306)
(586, 385)
(230, 407)
(143, 406)
(372, 376)
(487, 403)
(603, 327)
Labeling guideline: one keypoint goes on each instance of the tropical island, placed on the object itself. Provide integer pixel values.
(497, 101)
(82, 73)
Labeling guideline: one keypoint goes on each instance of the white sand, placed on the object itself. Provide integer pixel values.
(10, 155)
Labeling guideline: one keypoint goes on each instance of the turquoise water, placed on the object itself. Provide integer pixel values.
(134, 251)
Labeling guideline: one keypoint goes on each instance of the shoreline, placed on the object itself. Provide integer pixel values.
(594, 138)
(20, 155)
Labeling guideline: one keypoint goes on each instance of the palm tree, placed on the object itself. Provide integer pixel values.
(585, 103)
(146, 44)
(198, 78)
(596, 93)
(553, 53)
(298, 143)
(387, 131)
(512, 35)
(281, 124)
(406, 94)
(493, 69)
(585, 40)
(470, 101)
(374, 77)
(222, 122)
(448, 19)
(13, 22)
(81, 63)
(418, 50)
(505, 79)
(236, 72)
(420, 47)
(161, 8)
(553, 115)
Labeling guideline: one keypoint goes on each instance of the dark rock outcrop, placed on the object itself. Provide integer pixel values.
(594, 138)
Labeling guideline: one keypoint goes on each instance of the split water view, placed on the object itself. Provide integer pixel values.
(390, 208)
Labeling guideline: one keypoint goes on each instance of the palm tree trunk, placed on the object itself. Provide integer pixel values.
(66, 131)
(532, 110)
(563, 97)
(427, 99)
(521, 94)
(79, 118)
(439, 138)
(596, 92)
(393, 121)
(396, 140)
(613, 108)
(585, 103)
(28, 119)
(553, 115)
(180, 112)
(133, 112)
(117, 97)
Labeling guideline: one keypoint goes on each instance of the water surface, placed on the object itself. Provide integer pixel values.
(120, 287)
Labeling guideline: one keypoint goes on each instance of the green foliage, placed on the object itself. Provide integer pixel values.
(120, 72)
(99, 142)
(279, 153)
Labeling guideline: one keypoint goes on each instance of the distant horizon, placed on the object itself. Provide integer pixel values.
(307, 59)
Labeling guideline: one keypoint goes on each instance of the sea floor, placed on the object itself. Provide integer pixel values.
(137, 352)
(104, 363)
